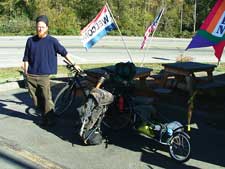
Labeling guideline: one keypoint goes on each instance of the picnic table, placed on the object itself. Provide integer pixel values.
(187, 70)
(141, 73)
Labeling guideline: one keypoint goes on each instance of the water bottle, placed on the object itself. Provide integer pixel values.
(121, 103)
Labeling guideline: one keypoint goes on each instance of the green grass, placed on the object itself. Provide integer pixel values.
(220, 68)
(13, 74)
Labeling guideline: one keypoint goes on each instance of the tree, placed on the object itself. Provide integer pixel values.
(132, 16)
(86, 10)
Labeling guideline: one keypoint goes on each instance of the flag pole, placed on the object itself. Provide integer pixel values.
(142, 62)
(120, 33)
(218, 63)
(152, 36)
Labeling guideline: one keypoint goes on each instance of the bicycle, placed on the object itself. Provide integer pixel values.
(170, 134)
(68, 93)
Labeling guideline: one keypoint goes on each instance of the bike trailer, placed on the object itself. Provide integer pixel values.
(91, 114)
(175, 126)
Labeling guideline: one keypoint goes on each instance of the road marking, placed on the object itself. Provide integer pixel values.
(36, 159)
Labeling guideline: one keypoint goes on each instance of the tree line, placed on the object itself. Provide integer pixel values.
(181, 18)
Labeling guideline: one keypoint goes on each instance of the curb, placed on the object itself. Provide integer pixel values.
(4, 87)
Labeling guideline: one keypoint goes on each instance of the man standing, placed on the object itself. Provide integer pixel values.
(40, 61)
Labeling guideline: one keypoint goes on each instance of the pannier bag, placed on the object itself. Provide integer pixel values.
(91, 114)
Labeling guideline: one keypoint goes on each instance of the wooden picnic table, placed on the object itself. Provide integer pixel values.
(187, 70)
(141, 72)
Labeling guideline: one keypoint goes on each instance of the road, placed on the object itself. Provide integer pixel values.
(111, 50)
(24, 145)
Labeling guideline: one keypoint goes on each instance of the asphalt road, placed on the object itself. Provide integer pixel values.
(111, 50)
(23, 144)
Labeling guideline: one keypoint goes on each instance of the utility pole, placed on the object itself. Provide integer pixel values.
(181, 15)
(195, 8)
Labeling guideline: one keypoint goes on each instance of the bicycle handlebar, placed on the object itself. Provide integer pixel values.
(72, 68)
(81, 73)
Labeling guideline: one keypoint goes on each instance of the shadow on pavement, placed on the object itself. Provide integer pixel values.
(151, 151)
(15, 162)
(65, 127)
(207, 142)
(65, 124)
(12, 113)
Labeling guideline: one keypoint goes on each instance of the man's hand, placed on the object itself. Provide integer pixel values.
(25, 67)
(68, 57)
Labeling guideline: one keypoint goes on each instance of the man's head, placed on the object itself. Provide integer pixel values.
(42, 26)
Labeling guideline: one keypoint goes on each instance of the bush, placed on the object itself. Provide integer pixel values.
(17, 26)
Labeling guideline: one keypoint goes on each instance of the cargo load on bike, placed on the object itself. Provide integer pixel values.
(91, 114)
(129, 110)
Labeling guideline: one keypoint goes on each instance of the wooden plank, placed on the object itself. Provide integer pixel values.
(141, 73)
(190, 66)
(177, 71)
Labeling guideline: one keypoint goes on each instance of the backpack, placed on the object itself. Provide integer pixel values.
(91, 114)
(121, 79)
(92, 137)
(124, 71)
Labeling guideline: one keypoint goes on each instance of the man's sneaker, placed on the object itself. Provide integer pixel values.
(50, 122)
(47, 120)
(43, 122)
(46, 123)
(50, 118)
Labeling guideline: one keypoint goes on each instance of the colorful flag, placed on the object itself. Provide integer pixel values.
(212, 31)
(151, 28)
(98, 28)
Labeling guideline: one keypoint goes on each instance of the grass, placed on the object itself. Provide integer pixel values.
(13, 74)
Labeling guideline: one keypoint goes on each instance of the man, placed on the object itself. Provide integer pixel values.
(40, 61)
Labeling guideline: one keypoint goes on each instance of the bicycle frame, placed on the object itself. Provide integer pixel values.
(67, 94)
(76, 83)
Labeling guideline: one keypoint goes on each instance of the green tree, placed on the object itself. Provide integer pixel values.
(203, 9)
(62, 19)
(133, 16)
(86, 10)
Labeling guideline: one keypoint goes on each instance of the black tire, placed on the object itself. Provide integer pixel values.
(180, 147)
(64, 99)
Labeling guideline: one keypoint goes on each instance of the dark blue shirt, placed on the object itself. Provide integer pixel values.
(41, 54)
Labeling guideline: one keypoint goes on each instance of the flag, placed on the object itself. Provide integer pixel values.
(212, 31)
(151, 28)
(98, 28)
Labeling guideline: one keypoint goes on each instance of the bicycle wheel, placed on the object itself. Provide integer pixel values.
(180, 148)
(114, 119)
(64, 99)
